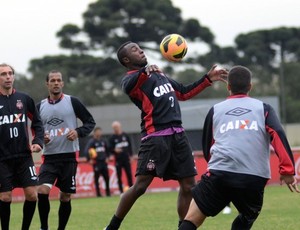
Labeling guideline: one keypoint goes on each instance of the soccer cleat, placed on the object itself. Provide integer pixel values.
(227, 210)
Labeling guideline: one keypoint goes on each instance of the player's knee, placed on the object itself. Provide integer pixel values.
(44, 188)
(187, 184)
(139, 188)
(30, 193)
(31, 196)
(186, 188)
(6, 197)
(65, 197)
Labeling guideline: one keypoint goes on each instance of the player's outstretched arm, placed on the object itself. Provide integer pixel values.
(290, 181)
(217, 74)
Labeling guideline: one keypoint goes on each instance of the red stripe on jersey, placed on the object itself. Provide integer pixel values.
(286, 166)
(136, 92)
(193, 92)
(147, 106)
(148, 109)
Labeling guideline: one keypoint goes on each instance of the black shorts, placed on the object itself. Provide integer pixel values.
(168, 157)
(213, 192)
(19, 172)
(61, 173)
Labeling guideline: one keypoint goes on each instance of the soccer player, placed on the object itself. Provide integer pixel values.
(99, 162)
(236, 143)
(120, 147)
(165, 151)
(16, 163)
(59, 113)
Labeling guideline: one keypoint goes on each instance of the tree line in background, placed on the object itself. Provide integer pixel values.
(92, 73)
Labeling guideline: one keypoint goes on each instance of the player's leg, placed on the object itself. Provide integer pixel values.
(106, 179)
(184, 195)
(182, 166)
(119, 176)
(66, 182)
(29, 206)
(5, 201)
(128, 172)
(64, 211)
(209, 198)
(6, 178)
(44, 204)
(96, 179)
(128, 199)
(150, 150)
(193, 219)
(26, 178)
(249, 204)
(47, 177)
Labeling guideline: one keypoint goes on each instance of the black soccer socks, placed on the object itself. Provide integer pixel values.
(114, 223)
(44, 208)
(4, 214)
(64, 213)
(28, 211)
(187, 225)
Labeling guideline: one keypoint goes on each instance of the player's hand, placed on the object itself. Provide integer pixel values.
(72, 135)
(290, 181)
(35, 148)
(151, 68)
(217, 74)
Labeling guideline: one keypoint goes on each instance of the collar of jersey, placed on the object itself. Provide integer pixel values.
(50, 101)
(238, 96)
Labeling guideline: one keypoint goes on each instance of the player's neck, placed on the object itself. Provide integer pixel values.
(6, 92)
(55, 97)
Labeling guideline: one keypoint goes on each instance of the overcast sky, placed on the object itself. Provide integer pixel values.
(28, 27)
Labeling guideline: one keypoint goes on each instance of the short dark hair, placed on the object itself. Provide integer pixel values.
(52, 71)
(121, 52)
(97, 128)
(7, 65)
(239, 80)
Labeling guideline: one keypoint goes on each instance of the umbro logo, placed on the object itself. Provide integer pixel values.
(238, 111)
(55, 121)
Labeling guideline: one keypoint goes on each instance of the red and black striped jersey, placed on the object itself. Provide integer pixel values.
(15, 110)
(157, 97)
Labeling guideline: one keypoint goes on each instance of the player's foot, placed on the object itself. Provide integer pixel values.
(227, 210)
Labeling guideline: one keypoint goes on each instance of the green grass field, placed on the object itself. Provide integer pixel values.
(157, 211)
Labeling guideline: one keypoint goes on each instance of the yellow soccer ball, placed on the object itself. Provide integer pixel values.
(92, 153)
(173, 47)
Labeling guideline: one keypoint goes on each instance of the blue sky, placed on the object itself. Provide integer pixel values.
(28, 27)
